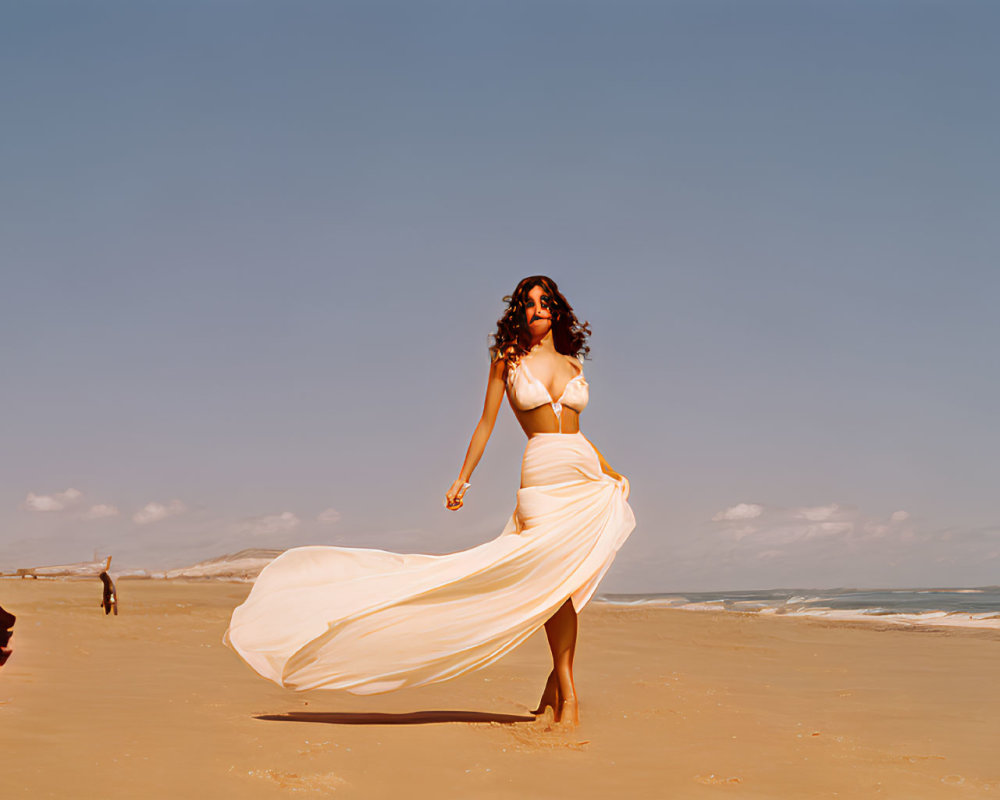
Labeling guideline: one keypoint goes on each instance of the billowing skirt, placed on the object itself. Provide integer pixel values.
(370, 621)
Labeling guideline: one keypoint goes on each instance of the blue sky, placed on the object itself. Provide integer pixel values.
(253, 253)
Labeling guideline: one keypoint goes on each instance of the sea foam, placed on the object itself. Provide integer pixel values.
(959, 608)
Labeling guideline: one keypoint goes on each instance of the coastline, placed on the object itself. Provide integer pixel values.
(674, 704)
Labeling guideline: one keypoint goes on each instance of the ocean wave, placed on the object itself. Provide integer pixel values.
(902, 607)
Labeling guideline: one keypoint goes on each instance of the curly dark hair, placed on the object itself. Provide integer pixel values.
(512, 339)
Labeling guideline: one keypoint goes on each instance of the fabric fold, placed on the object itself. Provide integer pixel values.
(370, 621)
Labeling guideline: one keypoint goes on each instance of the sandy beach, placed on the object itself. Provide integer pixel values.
(675, 703)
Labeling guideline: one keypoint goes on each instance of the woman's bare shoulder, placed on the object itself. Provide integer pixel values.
(500, 363)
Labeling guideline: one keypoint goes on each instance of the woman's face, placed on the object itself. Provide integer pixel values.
(538, 311)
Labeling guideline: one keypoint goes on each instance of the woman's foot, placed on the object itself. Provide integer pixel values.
(568, 713)
(550, 695)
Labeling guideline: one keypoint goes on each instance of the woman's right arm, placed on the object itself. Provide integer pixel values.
(481, 435)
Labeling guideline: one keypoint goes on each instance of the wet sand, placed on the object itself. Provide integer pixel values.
(677, 704)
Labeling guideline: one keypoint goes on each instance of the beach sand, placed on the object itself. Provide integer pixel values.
(675, 704)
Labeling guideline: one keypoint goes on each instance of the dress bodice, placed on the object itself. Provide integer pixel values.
(527, 392)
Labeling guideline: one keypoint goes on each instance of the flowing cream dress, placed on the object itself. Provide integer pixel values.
(370, 621)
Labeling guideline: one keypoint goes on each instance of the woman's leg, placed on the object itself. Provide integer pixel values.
(550, 695)
(561, 633)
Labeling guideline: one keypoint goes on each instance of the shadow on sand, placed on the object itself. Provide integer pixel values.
(377, 718)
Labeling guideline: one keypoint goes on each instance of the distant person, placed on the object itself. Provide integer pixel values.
(109, 600)
(369, 621)
(109, 597)
(6, 623)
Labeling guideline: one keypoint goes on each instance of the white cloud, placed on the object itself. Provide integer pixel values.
(818, 513)
(155, 512)
(329, 516)
(785, 532)
(875, 529)
(270, 524)
(773, 528)
(58, 501)
(740, 531)
(740, 511)
(100, 511)
(829, 529)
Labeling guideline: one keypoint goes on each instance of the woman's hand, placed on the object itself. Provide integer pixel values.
(453, 499)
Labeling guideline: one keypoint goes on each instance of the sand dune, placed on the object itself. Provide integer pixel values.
(80, 569)
(244, 565)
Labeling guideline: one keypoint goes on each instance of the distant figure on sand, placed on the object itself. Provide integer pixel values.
(6, 623)
(369, 621)
(109, 599)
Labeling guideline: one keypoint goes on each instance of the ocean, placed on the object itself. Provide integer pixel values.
(970, 608)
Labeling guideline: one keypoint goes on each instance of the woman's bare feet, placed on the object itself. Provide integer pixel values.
(550, 696)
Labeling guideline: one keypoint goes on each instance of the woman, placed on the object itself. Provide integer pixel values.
(371, 621)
